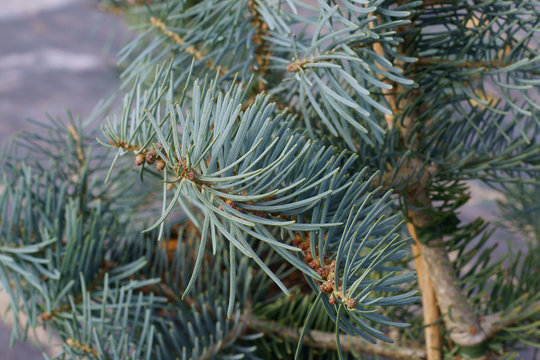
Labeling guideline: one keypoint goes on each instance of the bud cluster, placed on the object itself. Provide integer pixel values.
(326, 271)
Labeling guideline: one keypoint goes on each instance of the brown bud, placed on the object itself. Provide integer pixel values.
(45, 317)
(151, 157)
(323, 272)
(293, 67)
(297, 240)
(327, 287)
(308, 257)
(330, 276)
(229, 202)
(315, 264)
(139, 159)
(333, 265)
(191, 175)
(71, 342)
(160, 165)
(261, 214)
(326, 260)
(304, 245)
(351, 303)
(332, 300)
(111, 142)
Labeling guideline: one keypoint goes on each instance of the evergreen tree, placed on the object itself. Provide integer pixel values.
(273, 163)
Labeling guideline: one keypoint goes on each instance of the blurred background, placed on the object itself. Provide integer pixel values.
(53, 54)
(57, 54)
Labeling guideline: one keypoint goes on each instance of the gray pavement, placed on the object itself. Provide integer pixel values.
(53, 53)
(58, 53)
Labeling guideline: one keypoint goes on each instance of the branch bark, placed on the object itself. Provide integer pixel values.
(325, 340)
(458, 314)
(389, 94)
(432, 331)
(429, 301)
(190, 49)
(263, 48)
(464, 64)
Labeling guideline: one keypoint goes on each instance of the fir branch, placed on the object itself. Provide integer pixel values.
(430, 308)
(325, 340)
(459, 316)
(85, 348)
(262, 52)
(438, 3)
(494, 323)
(243, 324)
(462, 64)
(190, 49)
(389, 94)
(78, 145)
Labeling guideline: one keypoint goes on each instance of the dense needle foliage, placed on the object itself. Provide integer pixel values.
(278, 176)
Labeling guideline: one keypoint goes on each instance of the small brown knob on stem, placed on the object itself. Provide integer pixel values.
(151, 157)
(160, 165)
(139, 159)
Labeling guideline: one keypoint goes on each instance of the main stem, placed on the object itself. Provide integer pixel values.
(441, 280)
(432, 331)
(325, 340)
(429, 301)
(458, 313)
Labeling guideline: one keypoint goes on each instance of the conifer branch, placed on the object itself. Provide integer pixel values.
(325, 340)
(426, 3)
(190, 49)
(78, 145)
(262, 51)
(430, 307)
(492, 64)
(389, 94)
(431, 312)
(494, 323)
(458, 314)
(82, 347)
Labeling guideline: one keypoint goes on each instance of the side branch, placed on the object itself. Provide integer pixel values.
(459, 316)
(325, 340)
(494, 323)
(462, 65)
(261, 52)
(431, 312)
(389, 94)
(190, 49)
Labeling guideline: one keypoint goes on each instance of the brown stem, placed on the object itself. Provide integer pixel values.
(494, 323)
(87, 349)
(430, 308)
(263, 49)
(78, 146)
(463, 65)
(458, 314)
(325, 340)
(192, 50)
(426, 3)
(234, 333)
(389, 94)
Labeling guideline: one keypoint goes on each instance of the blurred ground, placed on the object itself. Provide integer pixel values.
(53, 53)
(62, 52)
